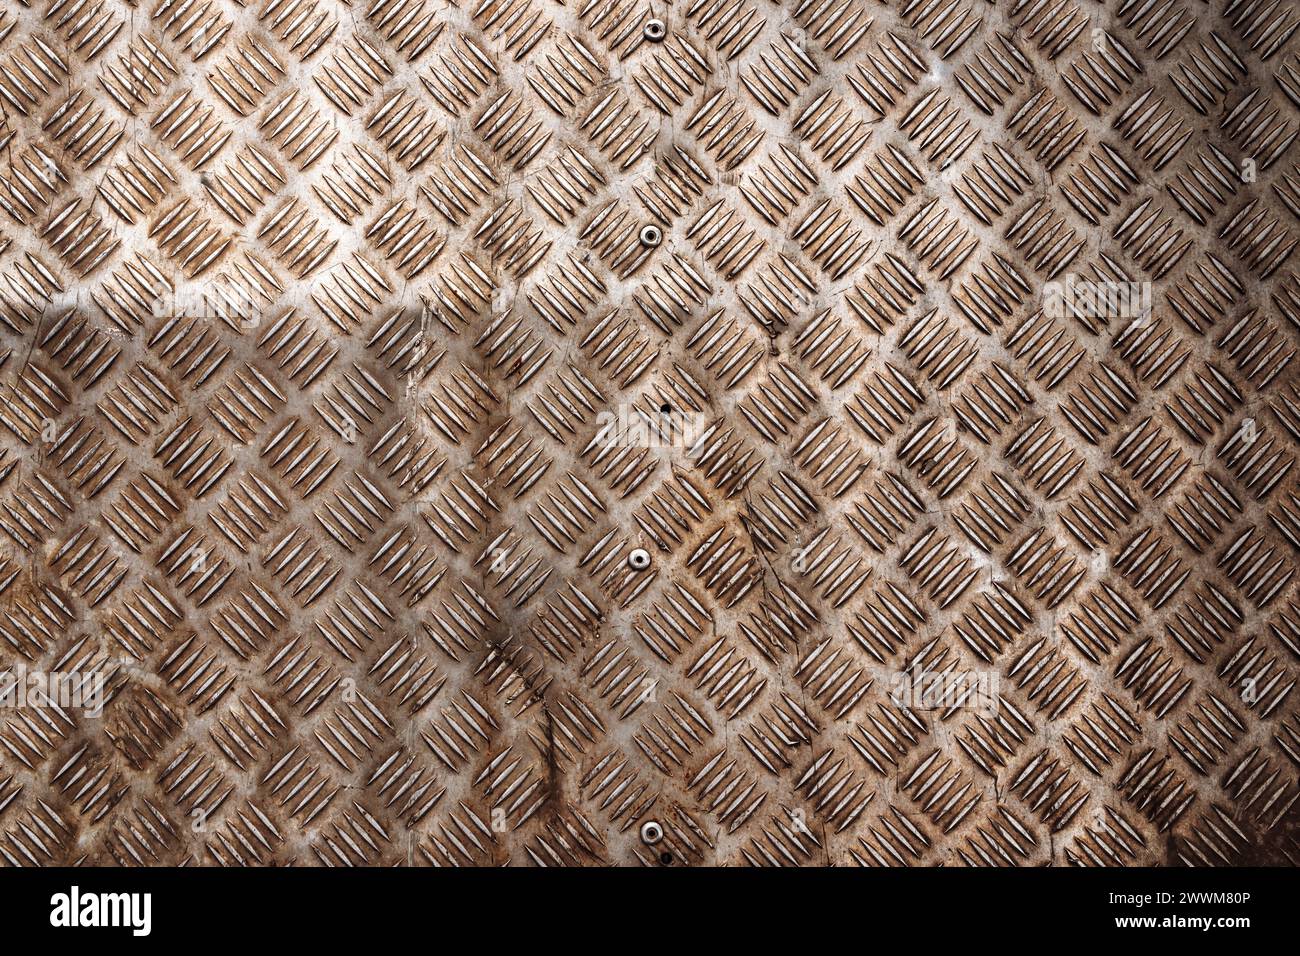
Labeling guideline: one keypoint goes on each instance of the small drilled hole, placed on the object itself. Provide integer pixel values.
(666, 858)
(665, 409)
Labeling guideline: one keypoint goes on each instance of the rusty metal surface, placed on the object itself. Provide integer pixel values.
(714, 432)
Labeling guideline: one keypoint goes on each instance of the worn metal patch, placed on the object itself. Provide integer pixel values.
(712, 432)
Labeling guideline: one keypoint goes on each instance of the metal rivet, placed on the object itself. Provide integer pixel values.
(655, 30)
(639, 559)
(651, 832)
(651, 236)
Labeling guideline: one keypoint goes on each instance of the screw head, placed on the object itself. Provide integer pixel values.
(651, 236)
(639, 559)
(651, 832)
(655, 30)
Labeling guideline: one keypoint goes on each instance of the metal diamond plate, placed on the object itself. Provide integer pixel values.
(706, 432)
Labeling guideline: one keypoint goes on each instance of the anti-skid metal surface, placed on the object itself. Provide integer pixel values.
(937, 355)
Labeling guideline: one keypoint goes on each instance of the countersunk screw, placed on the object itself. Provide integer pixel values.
(651, 236)
(655, 30)
(639, 559)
